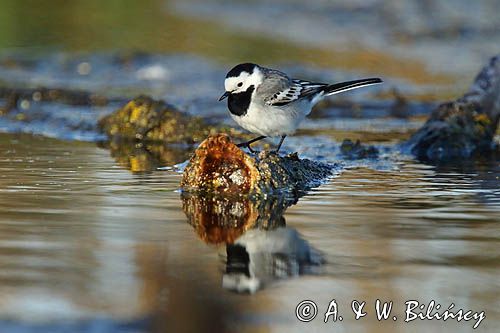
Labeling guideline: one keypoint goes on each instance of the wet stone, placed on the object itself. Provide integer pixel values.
(356, 150)
(465, 127)
(146, 119)
(219, 166)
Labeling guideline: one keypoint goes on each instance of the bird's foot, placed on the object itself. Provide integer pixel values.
(246, 145)
(279, 145)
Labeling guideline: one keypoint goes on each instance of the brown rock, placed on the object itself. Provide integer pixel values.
(223, 219)
(218, 165)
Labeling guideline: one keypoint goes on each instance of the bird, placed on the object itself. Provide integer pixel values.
(269, 103)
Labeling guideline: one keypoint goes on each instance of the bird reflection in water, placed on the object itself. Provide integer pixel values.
(260, 247)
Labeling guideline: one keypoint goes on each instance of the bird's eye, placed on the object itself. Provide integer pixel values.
(240, 84)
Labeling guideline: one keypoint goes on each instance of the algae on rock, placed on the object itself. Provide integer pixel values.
(464, 127)
(145, 119)
(218, 165)
(226, 191)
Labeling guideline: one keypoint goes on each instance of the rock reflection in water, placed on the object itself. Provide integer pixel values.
(142, 157)
(259, 246)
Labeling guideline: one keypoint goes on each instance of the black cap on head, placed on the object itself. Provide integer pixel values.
(246, 67)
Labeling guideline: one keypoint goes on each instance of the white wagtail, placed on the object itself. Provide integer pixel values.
(269, 103)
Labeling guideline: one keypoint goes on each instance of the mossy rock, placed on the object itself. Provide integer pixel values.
(219, 166)
(146, 119)
(465, 127)
(454, 130)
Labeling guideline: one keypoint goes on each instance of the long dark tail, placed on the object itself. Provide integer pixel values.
(349, 85)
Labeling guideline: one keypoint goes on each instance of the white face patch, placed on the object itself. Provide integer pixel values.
(243, 81)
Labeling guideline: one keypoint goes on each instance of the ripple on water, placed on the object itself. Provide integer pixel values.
(79, 230)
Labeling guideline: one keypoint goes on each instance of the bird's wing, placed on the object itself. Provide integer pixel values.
(297, 89)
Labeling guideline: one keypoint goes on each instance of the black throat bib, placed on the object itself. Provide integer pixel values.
(238, 103)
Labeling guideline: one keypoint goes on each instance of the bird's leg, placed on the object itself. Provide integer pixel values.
(248, 143)
(281, 142)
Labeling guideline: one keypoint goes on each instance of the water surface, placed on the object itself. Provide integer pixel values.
(86, 243)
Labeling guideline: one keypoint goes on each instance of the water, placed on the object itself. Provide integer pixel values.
(86, 243)
(97, 237)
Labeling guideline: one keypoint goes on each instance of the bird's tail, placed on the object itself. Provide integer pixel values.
(349, 85)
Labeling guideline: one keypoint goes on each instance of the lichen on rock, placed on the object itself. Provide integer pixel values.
(225, 191)
(218, 165)
(462, 128)
(145, 119)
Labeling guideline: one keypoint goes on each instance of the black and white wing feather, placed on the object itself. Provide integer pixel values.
(300, 89)
(297, 89)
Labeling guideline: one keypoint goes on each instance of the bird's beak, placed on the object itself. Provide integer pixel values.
(224, 95)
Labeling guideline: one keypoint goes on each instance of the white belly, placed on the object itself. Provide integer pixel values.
(270, 120)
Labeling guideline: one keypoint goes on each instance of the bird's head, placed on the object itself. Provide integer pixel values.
(241, 78)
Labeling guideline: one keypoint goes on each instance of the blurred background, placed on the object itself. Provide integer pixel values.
(96, 240)
(426, 51)
(424, 43)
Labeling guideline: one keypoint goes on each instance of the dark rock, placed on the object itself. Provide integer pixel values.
(64, 96)
(400, 107)
(464, 127)
(12, 99)
(356, 150)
